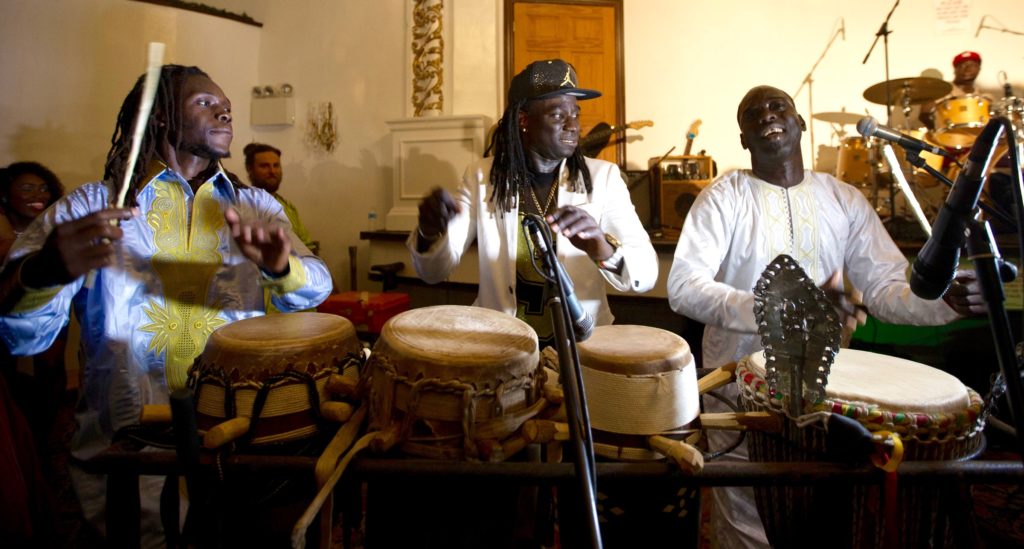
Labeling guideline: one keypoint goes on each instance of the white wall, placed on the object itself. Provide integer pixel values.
(70, 63)
(697, 58)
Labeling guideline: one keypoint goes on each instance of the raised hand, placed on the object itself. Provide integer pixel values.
(582, 230)
(265, 245)
(436, 210)
(75, 248)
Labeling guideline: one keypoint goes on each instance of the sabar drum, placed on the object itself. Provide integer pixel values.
(639, 381)
(933, 413)
(453, 382)
(270, 373)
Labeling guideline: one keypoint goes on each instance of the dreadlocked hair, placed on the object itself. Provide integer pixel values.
(509, 172)
(166, 106)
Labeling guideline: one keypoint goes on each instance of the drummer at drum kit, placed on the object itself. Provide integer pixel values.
(742, 221)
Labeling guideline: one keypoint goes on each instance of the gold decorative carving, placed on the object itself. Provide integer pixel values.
(322, 127)
(428, 58)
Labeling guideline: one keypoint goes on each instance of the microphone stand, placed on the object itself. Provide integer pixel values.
(914, 159)
(884, 33)
(809, 81)
(572, 384)
(1000, 29)
(982, 251)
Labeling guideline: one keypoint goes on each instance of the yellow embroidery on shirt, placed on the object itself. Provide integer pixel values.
(186, 262)
(791, 225)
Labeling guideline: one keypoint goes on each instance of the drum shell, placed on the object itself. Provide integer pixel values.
(447, 402)
(857, 155)
(959, 120)
(852, 512)
(276, 366)
(623, 365)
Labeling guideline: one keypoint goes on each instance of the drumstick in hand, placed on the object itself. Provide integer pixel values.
(153, 68)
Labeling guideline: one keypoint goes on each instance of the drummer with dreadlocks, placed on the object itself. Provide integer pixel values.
(538, 168)
(192, 251)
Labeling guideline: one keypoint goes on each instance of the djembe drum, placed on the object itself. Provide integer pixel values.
(453, 382)
(265, 379)
(641, 389)
(934, 415)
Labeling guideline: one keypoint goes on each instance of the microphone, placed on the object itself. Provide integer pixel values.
(981, 25)
(935, 266)
(869, 127)
(582, 322)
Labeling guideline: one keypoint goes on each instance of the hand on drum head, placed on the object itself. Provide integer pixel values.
(964, 295)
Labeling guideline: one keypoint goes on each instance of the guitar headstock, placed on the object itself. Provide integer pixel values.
(637, 124)
(694, 129)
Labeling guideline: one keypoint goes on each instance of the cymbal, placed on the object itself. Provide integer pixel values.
(838, 117)
(920, 89)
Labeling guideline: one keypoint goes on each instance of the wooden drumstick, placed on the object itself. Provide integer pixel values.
(719, 376)
(343, 385)
(688, 458)
(336, 411)
(742, 421)
(544, 431)
(225, 432)
(153, 68)
(155, 413)
(154, 65)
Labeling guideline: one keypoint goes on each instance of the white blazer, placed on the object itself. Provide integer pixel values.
(496, 236)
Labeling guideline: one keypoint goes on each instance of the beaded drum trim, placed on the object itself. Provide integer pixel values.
(909, 424)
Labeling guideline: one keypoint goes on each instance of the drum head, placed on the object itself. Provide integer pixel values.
(255, 348)
(627, 350)
(459, 342)
(893, 384)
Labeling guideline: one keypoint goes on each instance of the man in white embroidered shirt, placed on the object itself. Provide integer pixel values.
(745, 219)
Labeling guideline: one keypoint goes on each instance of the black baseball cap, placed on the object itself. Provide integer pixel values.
(547, 78)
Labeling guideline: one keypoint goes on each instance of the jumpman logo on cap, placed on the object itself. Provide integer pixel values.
(567, 79)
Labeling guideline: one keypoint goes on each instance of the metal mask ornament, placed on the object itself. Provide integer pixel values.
(800, 332)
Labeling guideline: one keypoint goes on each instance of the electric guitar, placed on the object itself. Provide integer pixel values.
(598, 136)
(691, 134)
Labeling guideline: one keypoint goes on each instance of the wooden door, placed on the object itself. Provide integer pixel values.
(588, 35)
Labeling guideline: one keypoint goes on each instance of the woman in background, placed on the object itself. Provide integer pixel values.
(26, 190)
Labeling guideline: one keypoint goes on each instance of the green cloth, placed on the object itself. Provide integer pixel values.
(297, 227)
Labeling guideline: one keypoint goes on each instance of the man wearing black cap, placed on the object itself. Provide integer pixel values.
(537, 168)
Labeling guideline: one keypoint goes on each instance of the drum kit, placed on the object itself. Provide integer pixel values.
(958, 122)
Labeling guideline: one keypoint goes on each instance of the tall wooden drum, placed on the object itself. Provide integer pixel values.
(273, 370)
(453, 382)
(639, 381)
(933, 413)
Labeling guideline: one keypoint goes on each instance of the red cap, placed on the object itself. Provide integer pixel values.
(966, 56)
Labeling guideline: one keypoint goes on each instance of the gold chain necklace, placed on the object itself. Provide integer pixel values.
(551, 198)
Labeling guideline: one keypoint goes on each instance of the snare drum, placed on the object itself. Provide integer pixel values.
(959, 120)
(273, 370)
(639, 381)
(857, 156)
(933, 413)
(449, 382)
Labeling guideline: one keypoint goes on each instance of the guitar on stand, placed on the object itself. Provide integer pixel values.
(597, 138)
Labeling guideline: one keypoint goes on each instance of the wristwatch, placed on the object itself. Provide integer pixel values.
(613, 262)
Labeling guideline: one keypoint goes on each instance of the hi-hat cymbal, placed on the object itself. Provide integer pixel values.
(919, 89)
(838, 117)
